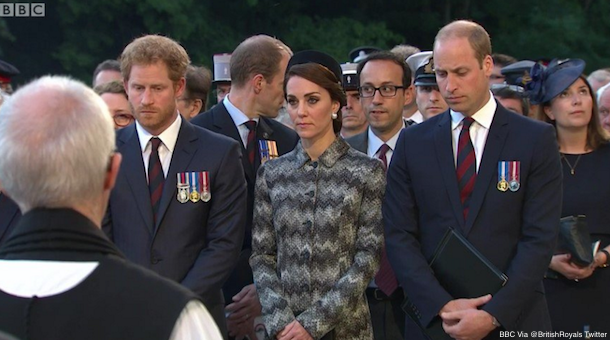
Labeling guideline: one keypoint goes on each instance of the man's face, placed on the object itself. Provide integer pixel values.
(353, 115)
(119, 108)
(512, 104)
(107, 76)
(222, 90)
(496, 76)
(152, 96)
(604, 110)
(463, 82)
(430, 102)
(271, 97)
(384, 114)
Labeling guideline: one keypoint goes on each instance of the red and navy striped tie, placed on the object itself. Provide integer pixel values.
(385, 278)
(466, 165)
(156, 179)
(251, 143)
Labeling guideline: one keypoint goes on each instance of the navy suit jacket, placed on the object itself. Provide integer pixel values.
(219, 120)
(516, 231)
(195, 244)
(9, 216)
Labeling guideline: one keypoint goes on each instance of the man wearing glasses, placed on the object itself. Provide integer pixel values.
(114, 95)
(384, 78)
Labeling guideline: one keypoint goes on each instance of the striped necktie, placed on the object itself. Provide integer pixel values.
(156, 179)
(466, 165)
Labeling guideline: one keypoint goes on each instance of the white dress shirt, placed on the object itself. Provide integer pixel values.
(168, 138)
(375, 143)
(478, 130)
(27, 278)
(239, 118)
(416, 117)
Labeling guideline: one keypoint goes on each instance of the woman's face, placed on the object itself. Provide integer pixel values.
(573, 107)
(310, 108)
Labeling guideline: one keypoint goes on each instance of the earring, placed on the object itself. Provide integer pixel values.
(333, 115)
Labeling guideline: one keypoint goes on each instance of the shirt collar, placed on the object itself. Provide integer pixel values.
(328, 158)
(375, 143)
(483, 117)
(169, 137)
(236, 114)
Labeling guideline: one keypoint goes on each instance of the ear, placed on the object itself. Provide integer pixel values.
(179, 87)
(196, 107)
(488, 65)
(408, 95)
(113, 171)
(335, 106)
(258, 83)
(548, 112)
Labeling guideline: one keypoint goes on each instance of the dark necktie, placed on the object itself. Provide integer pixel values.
(385, 278)
(156, 179)
(411, 122)
(251, 142)
(466, 165)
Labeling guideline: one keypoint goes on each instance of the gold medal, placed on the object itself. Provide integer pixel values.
(503, 185)
(194, 196)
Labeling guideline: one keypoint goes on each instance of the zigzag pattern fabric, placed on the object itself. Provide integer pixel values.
(317, 240)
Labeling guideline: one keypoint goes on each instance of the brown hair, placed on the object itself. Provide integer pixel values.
(259, 54)
(114, 86)
(151, 49)
(198, 84)
(324, 78)
(477, 37)
(596, 135)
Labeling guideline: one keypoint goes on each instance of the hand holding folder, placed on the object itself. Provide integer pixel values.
(463, 272)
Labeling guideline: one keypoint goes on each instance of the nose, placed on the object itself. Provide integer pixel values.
(576, 99)
(451, 84)
(434, 96)
(377, 97)
(147, 98)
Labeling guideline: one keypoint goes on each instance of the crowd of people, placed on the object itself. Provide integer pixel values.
(308, 201)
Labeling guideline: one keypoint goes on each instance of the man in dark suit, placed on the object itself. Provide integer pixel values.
(384, 91)
(445, 174)
(9, 216)
(179, 204)
(257, 72)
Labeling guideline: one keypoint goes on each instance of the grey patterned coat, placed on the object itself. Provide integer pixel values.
(317, 240)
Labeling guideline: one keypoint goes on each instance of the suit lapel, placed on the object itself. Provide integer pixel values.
(225, 125)
(133, 168)
(444, 154)
(489, 163)
(181, 157)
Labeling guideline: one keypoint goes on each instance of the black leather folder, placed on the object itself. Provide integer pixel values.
(464, 273)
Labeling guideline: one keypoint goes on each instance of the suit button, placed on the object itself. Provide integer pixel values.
(154, 260)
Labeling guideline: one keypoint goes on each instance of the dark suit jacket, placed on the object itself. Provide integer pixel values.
(218, 120)
(196, 244)
(516, 231)
(9, 216)
(360, 141)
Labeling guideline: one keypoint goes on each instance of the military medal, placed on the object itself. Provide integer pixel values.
(194, 191)
(268, 150)
(204, 180)
(502, 175)
(183, 188)
(514, 183)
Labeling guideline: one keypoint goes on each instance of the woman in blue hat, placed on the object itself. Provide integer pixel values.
(578, 297)
(317, 233)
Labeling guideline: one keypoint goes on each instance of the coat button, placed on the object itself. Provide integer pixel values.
(307, 224)
(154, 260)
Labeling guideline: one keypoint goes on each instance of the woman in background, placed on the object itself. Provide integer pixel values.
(317, 232)
(578, 299)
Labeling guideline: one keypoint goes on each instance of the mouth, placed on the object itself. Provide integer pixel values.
(454, 99)
(578, 112)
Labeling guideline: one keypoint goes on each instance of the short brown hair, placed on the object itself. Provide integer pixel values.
(477, 37)
(259, 54)
(114, 86)
(198, 84)
(151, 49)
(324, 78)
(596, 135)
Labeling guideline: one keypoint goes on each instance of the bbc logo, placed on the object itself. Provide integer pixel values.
(22, 10)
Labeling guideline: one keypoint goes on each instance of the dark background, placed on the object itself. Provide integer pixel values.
(75, 35)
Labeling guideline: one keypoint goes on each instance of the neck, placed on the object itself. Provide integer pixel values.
(242, 99)
(346, 133)
(316, 146)
(386, 135)
(572, 140)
